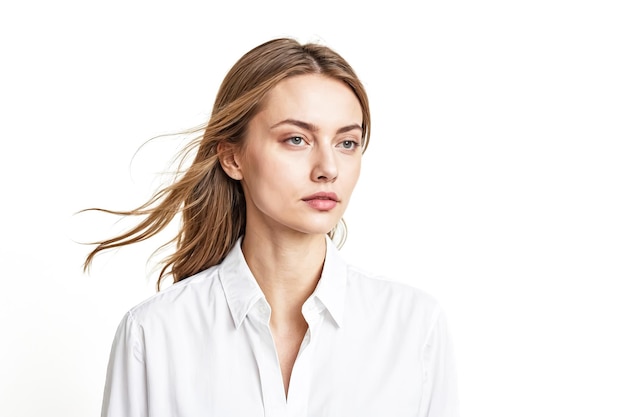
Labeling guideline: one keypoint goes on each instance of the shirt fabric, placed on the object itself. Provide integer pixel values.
(203, 347)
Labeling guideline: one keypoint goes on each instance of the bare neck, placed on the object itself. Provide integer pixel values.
(287, 271)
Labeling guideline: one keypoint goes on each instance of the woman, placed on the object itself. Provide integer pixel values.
(264, 317)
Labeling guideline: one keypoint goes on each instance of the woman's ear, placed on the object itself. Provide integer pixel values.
(228, 160)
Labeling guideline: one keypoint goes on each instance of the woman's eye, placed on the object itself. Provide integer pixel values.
(296, 140)
(349, 144)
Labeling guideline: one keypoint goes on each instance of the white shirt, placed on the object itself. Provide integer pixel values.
(203, 347)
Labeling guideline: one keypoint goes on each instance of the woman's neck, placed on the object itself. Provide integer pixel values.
(287, 270)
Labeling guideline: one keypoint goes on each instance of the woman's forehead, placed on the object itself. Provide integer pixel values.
(313, 98)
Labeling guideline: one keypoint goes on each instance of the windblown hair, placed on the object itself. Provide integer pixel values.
(211, 205)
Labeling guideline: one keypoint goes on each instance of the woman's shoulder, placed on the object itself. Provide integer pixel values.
(179, 296)
(381, 289)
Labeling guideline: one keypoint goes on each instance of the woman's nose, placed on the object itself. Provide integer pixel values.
(324, 164)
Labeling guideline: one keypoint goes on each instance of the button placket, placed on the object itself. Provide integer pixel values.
(299, 387)
(270, 376)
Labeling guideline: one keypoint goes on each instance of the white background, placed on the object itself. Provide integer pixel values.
(495, 180)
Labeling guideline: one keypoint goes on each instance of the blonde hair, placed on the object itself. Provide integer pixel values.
(211, 204)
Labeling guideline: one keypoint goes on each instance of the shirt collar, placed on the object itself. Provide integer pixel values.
(243, 292)
(331, 288)
(241, 289)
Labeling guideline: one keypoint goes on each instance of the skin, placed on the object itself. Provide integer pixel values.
(305, 140)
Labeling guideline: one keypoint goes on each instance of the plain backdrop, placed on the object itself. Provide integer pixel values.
(495, 179)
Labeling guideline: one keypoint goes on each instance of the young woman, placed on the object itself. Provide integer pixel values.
(264, 317)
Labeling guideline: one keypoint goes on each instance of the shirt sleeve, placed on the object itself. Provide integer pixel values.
(125, 393)
(440, 380)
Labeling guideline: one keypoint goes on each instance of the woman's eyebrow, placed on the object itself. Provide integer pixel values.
(350, 127)
(304, 125)
(314, 128)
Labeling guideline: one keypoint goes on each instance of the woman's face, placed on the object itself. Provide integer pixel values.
(302, 156)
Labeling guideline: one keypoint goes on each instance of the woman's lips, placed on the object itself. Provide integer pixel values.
(322, 201)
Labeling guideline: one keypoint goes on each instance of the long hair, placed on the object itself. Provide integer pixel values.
(211, 205)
